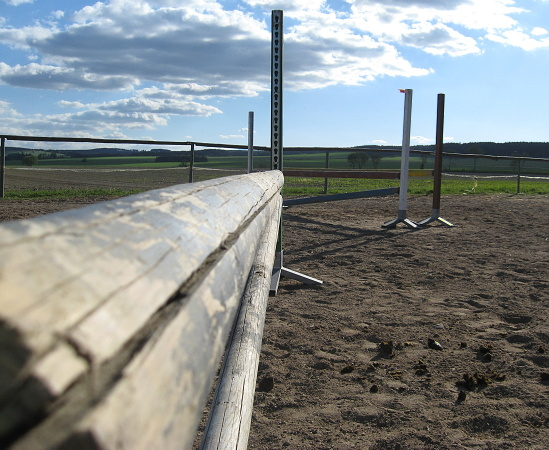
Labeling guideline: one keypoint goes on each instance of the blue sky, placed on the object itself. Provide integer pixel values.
(192, 69)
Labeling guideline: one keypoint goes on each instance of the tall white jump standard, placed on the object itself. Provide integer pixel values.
(404, 166)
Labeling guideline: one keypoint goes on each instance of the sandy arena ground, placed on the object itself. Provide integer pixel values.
(436, 338)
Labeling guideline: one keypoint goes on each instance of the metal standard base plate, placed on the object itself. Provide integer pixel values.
(281, 271)
(400, 219)
(393, 223)
(435, 217)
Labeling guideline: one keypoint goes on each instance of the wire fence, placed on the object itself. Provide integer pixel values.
(454, 164)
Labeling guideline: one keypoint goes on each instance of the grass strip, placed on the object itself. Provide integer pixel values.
(71, 193)
(314, 186)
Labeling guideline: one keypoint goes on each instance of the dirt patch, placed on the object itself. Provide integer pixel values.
(436, 338)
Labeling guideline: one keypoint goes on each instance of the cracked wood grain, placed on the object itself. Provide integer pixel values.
(231, 412)
(79, 288)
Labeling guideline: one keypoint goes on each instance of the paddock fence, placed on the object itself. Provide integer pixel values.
(336, 163)
(114, 318)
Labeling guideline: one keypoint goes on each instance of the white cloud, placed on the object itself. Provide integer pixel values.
(58, 14)
(6, 109)
(67, 104)
(439, 39)
(232, 136)
(519, 38)
(158, 106)
(187, 55)
(40, 76)
(17, 2)
(538, 31)
(136, 112)
(121, 42)
(420, 140)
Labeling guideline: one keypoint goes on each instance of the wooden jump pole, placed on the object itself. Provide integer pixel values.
(231, 412)
(404, 165)
(437, 173)
(114, 317)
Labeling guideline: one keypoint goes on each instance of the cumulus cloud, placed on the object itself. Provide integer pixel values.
(538, 31)
(439, 39)
(519, 38)
(420, 140)
(232, 136)
(158, 106)
(17, 2)
(169, 57)
(41, 76)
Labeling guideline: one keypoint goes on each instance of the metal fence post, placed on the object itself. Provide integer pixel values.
(191, 164)
(250, 142)
(519, 169)
(3, 168)
(327, 165)
(277, 48)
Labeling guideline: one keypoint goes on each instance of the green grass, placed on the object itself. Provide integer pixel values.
(71, 193)
(304, 187)
(308, 186)
(337, 160)
(315, 186)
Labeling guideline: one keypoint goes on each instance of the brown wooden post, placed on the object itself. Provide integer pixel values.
(437, 180)
(437, 172)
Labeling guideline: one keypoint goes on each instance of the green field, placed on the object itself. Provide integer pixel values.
(100, 184)
(315, 186)
(337, 160)
(389, 162)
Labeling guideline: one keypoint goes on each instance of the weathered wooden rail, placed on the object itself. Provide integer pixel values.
(114, 317)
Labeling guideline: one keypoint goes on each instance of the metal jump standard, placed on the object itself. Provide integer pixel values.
(277, 150)
(404, 165)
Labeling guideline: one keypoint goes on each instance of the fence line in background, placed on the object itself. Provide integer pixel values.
(193, 144)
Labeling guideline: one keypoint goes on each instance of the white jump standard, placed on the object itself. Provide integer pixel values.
(404, 165)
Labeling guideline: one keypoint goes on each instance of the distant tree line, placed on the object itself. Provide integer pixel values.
(358, 160)
(19, 156)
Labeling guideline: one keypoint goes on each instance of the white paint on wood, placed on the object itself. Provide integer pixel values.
(60, 368)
